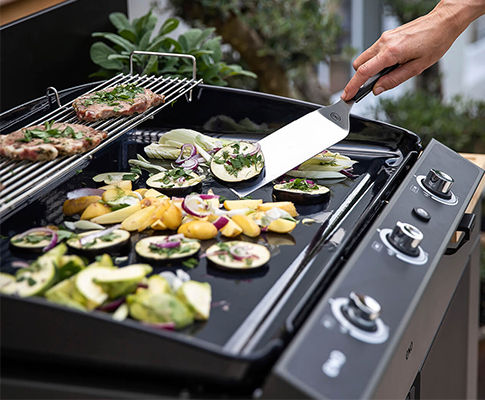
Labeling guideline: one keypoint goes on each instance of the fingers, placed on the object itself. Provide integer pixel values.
(366, 56)
(398, 76)
(366, 71)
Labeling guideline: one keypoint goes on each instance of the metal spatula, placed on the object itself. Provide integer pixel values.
(302, 139)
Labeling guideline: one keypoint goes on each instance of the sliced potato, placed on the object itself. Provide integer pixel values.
(231, 229)
(281, 225)
(172, 217)
(125, 185)
(139, 220)
(113, 194)
(117, 216)
(154, 193)
(77, 206)
(287, 206)
(196, 229)
(158, 225)
(238, 204)
(247, 224)
(95, 210)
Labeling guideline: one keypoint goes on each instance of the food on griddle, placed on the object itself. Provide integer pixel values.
(113, 178)
(300, 191)
(166, 247)
(198, 229)
(238, 204)
(197, 296)
(325, 165)
(287, 206)
(122, 281)
(238, 255)
(95, 210)
(115, 217)
(176, 182)
(275, 220)
(35, 239)
(121, 100)
(78, 205)
(99, 241)
(237, 162)
(247, 224)
(49, 140)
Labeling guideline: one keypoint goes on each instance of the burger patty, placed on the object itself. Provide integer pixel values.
(47, 141)
(116, 101)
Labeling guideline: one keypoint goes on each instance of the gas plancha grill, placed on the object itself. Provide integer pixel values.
(309, 324)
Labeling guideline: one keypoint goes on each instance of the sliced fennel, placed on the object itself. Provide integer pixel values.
(325, 165)
(143, 163)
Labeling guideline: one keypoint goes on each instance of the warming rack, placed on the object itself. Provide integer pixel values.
(21, 181)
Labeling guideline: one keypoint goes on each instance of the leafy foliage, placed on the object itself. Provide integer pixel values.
(138, 35)
(407, 10)
(458, 124)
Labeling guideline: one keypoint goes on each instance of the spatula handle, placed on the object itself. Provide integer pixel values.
(367, 87)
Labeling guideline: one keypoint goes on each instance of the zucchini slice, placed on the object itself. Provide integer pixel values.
(152, 248)
(238, 255)
(176, 182)
(301, 191)
(32, 281)
(112, 242)
(237, 162)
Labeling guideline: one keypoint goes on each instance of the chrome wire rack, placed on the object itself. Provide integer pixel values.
(20, 181)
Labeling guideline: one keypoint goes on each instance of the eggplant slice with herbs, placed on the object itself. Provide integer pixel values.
(94, 242)
(162, 248)
(237, 162)
(176, 182)
(238, 255)
(301, 191)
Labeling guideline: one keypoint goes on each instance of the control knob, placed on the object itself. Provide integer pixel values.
(406, 238)
(362, 311)
(438, 183)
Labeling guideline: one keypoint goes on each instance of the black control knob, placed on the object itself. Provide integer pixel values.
(406, 238)
(439, 183)
(362, 311)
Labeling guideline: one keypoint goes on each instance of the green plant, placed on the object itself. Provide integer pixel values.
(457, 124)
(138, 35)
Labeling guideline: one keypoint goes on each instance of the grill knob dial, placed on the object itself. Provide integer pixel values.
(406, 238)
(439, 183)
(362, 311)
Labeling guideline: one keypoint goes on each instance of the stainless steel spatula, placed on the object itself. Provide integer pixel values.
(302, 139)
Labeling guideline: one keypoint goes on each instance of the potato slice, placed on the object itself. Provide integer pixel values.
(124, 185)
(76, 206)
(247, 224)
(196, 229)
(238, 204)
(158, 225)
(95, 210)
(281, 225)
(231, 229)
(117, 216)
(139, 220)
(172, 217)
(287, 206)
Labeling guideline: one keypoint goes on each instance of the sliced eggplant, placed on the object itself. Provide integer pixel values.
(113, 242)
(238, 255)
(176, 182)
(301, 191)
(238, 162)
(113, 177)
(160, 248)
(33, 240)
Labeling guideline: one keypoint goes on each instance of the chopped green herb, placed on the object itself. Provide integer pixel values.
(121, 93)
(31, 281)
(301, 184)
(190, 263)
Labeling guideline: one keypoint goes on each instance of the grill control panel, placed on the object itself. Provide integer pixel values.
(340, 352)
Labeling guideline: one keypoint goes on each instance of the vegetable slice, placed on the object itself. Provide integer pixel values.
(176, 182)
(300, 191)
(165, 247)
(238, 255)
(110, 240)
(197, 296)
(113, 177)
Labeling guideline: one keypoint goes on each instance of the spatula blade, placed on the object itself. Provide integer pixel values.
(299, 141)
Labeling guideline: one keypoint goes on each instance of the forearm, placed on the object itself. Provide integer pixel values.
(458, 14)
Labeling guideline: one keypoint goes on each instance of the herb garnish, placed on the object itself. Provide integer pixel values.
(171, 177)
(169, 251)
(126, 93)
(50, 132)
(235, 162)
(105, 238)
(32, 238)
(190, 263)
(300, 184)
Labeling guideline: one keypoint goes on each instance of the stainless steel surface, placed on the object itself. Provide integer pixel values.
(364, 307)
(300, 140)
(56, 94)
(406, 238)
(20, 180)
(438, 182)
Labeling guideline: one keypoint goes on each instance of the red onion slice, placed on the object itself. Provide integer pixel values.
(166, 245)
(90, 238)
(84, 192)
(257, 149)
(112, 305)
(191, 164)
(220, 222)
(194, 205)
(240, 252)
(208, 196)
(20, 264)
(348, 174)
(181, 158)
(51, 232)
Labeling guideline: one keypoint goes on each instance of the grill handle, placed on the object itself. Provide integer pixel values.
(159, 54)
(466, 226)
(367, 87)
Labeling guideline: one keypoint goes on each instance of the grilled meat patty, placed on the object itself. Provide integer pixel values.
(116, 101)
(47, 141)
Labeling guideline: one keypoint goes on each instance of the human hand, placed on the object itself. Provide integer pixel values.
(415, 46)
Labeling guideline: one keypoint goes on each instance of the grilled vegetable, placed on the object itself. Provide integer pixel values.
(240, 204)
(91, 294)
(152, 307)
(197, 296)
(166, 247)
(110, 178)
(237, 162)
(121, 281)
(287, 206)
(117, 216)
(64, 293)
(238, 255)
(300, 191)
(77, 206)
(198, 229)
(176, 182)
(94, 242)
(35, 239)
